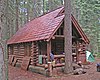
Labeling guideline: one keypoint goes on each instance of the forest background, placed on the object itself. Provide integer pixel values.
(16, 13)
(19, 12)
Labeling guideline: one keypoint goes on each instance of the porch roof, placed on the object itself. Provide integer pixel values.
(43, 28)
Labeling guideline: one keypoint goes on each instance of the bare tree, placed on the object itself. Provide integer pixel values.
(68, 37)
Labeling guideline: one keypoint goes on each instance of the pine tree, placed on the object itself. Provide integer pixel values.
(68, 37)
(3, 39)
(89, 13)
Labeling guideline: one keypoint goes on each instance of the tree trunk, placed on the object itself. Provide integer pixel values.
(51, 4)
(68, 37)
(3, 38)
(43, 6)
(62, 2)
(37, 8)
(16, 29)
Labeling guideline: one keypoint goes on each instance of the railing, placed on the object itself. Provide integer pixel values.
(59, 60)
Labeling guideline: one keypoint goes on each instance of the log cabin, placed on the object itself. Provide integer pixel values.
(44, 34)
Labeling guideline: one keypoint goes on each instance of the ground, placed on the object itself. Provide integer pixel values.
(91, 74)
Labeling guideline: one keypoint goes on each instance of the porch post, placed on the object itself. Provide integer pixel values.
(77, 51)
(48, 57)
(84, 51)
(48, 50)
(32, 53)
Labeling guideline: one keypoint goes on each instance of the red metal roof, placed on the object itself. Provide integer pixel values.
(40, 28)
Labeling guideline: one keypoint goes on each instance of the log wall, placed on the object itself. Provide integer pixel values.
(21, 52)
(15, 49)
(31, 49)
(82, 52)
(9, 50)
(34, 53)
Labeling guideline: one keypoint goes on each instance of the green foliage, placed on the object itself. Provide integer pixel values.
(89, 13)
(98, 55)
(22, 11)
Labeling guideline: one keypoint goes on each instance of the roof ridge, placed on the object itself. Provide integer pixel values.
(47, 13)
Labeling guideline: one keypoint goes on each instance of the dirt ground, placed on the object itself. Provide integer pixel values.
(91, 74)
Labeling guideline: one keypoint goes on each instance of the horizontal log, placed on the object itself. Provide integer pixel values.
(22, 46)
(41, 65)
(35, 47)
(15, 46)
(59, 65)
(21, 53)
(82, 52)
(32, 56)
(56, 65)
(31, 63)
(31, 60)
(35, 52)
(15, 50)
(55, 56)
(15, 53)
(22, 50)
(61, 36)
(19, 62)
(19, 56)
(35, 59)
